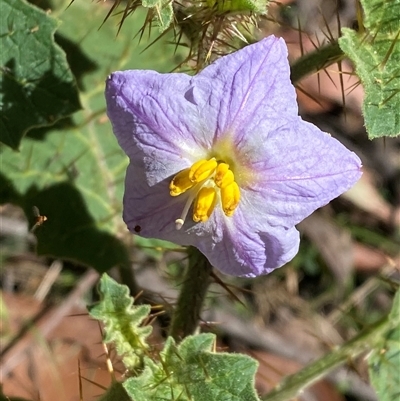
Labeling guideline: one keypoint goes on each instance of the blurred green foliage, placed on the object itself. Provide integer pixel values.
(74, 171)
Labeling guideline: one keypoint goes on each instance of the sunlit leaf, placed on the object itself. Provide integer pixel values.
(231, 6)
(162, 10)
(375, 52)
(192, 371)
(122, 321)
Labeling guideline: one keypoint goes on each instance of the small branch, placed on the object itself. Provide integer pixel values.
(365, 341)
(191, 298)
(315, 61)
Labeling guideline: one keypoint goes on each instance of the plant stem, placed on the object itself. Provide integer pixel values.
(315, 61)
(368, 339)
(191, 298)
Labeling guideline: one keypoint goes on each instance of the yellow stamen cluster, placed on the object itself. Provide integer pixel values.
(209, 180)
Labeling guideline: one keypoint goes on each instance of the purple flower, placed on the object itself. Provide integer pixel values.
(222, 161)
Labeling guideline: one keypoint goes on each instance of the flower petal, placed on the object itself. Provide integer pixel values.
(243, 109)
(151, 212)
(154, 122)
(244, 252)
(236, 246)
(240, 90)
(300, 169)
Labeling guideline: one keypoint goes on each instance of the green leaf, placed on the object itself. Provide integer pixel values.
(70, 231)
(192, 371)
(150, 3)
(122, 321)
(37, 87)
(162, 10)
(164, 15)
(384, 363)
(376, 54)
(241, 6)
(74, 171)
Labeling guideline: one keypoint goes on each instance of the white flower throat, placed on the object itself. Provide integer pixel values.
(209, 182)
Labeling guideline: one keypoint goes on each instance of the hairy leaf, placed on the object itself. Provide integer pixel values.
(122, 321)
(162, 11)
(376, 54)
(192, 371)
(241, 6)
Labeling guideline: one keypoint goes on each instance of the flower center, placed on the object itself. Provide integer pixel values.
(210, 182)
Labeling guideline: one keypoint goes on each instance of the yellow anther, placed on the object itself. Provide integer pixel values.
(206, 181)
(204, 204)
(230, 197)
(223, 175)
(202, 170)
(180, 183)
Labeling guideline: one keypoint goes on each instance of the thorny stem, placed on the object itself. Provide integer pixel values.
(364, 342)
(315, 61)
(191, 298)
